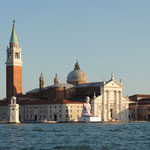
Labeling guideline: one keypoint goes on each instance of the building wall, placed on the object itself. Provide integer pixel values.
(53, 112)
(14, 81)
(139, 111)
(3, 113)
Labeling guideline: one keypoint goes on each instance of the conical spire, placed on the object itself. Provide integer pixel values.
(14, 39)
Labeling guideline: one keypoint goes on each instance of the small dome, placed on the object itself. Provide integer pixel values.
(77, 76)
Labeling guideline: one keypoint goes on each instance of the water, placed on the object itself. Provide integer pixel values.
(73, 136)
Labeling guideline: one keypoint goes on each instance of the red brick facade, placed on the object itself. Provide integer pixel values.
(14, 81)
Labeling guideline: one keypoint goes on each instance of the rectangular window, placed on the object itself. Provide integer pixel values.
(9, 55)
(17, 55)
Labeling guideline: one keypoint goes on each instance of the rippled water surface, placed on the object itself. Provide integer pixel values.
(73, 136)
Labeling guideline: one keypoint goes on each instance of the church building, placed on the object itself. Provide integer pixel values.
(60, 101)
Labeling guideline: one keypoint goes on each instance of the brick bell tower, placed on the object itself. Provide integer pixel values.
(13, 67)
(41, 81)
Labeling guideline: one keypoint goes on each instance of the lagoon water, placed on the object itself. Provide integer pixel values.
(75, 136)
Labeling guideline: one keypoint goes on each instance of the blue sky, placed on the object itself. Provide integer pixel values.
(104, 36)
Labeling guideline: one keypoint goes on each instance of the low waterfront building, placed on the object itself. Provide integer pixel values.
(4, 111)
(140, 107)
(41, 111)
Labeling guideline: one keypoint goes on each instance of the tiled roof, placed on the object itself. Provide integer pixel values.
(140, 95)
(71, 102)
(91, 84)
(34, 91)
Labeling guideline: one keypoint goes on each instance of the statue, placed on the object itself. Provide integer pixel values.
(86, 112)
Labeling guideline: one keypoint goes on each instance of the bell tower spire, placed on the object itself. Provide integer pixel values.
(13, 66)
(13, 38)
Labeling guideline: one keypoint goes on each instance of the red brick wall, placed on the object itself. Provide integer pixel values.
(14, 81)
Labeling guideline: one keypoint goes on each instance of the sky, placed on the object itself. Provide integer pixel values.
(104, 36)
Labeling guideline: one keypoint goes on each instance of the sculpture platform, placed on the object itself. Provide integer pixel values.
(89, 119)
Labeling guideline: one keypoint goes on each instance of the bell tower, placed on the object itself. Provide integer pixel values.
(41, 81)
(13, 66)
(56, 81)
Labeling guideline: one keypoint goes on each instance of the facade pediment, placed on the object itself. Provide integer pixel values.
(113, 84)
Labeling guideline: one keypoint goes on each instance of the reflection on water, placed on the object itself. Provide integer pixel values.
(70, 136)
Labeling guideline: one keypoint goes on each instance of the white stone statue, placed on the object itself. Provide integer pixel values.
(86, 112)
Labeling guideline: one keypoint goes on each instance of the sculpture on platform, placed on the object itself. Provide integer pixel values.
(86, 112)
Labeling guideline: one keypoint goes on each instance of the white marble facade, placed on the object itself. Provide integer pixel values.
(111, 105)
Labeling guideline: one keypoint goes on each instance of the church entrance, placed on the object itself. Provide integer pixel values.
(55, 117)
(111, 113)
(35, 118)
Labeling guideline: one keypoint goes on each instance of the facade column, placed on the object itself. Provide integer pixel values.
(103, 104)
(120, 104)
(108, 109)
(116, 105)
